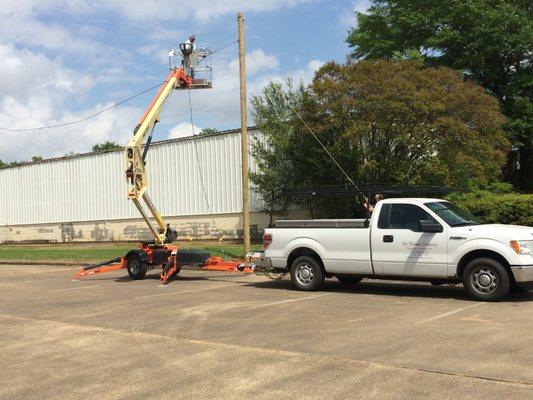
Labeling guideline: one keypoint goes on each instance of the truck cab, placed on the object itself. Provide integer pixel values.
(406, 238)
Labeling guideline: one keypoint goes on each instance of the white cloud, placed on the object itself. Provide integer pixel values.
(38, 91)
(183, 129)
(219, 107)
(39, 88)
(200, 10)
(347, 18)
(25, 74)
(19, 25)
(115, 125)
(164, 34)
(256, 61)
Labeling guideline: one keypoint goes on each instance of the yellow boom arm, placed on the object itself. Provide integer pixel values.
(135, 160)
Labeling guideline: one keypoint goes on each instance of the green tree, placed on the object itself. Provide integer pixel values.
(106, 146)
(3, 164)
(36, 158)
(384, 121)
(490, 40)
(209, 131)
(276, 150)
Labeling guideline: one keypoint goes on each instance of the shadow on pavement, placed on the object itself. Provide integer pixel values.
(403, 289)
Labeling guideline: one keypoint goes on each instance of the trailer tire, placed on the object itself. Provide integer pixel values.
(306, 273)
(349, 280)
(485, 279)
(136, 266)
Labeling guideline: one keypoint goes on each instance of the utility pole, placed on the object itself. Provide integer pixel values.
(244, 138)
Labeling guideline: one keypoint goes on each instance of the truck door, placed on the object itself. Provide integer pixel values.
(399, 246)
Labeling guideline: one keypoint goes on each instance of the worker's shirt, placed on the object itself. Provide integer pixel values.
(192, 44)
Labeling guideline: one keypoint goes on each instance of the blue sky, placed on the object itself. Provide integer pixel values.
(65, 59)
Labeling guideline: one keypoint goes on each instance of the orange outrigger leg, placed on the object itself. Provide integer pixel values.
(170, 269)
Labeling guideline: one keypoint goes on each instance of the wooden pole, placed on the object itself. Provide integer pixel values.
(244, 138)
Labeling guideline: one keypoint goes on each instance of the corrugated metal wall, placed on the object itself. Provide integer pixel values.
(93, 187)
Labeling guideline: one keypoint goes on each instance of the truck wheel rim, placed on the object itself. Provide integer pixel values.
(304, 274)
(484, 280)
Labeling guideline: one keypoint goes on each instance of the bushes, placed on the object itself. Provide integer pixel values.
(497, 204)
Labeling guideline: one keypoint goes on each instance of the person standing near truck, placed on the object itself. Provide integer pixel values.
(369, 207)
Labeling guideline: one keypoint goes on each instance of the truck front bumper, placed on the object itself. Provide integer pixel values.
(523, 274)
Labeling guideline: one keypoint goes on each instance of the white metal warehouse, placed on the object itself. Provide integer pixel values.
(83, 197)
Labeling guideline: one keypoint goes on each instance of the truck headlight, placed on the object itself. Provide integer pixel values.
(522, 246)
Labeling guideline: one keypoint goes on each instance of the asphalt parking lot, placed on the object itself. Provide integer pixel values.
(229, 336)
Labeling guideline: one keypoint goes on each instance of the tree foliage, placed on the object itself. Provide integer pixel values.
(209, 131)
(496, 203)
(490, 40)
(383, 121)
(106, 146)
(10, 164)
(276, 151)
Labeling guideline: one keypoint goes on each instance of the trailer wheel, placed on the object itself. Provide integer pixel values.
(486, 279)
(349, 280)
(306, 273)
(136, 266)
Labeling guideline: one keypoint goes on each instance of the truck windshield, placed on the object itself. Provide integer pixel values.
(451, 214)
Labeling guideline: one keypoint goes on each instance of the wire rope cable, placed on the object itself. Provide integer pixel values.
(101, 111)
(308, 127)
(200, 173)
(85, 118)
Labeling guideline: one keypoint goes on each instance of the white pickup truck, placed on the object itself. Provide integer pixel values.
(405, 239)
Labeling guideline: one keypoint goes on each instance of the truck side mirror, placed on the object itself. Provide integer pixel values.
(428, 225)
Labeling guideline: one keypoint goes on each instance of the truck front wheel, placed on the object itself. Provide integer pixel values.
(486, 279)
(306, 273)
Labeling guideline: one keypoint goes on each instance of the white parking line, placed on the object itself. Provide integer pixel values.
(291, 300)
(74, 288)
(180, 292)
(448, 313)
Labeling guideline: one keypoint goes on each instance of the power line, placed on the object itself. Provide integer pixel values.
(308, 128)
(85, 118)
(224, 47)
(200, 173)
(101, 111)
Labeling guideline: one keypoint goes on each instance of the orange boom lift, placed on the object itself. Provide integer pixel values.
(193, 72)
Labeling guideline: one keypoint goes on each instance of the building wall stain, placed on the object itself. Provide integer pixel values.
(226, 226)
(101, 233)
(136, 232)
(69, 233)
(255, 232)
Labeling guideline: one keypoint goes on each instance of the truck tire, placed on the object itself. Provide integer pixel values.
(306, 273)
(349, 280)
(486, 279)
(136, 266)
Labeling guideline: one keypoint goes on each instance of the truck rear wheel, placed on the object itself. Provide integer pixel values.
(306, 273)
(136, 266)
(486, 279)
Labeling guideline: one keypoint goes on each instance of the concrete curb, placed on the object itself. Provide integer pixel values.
(58, 263)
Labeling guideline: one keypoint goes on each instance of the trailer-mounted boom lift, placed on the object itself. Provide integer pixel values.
(193, 72)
